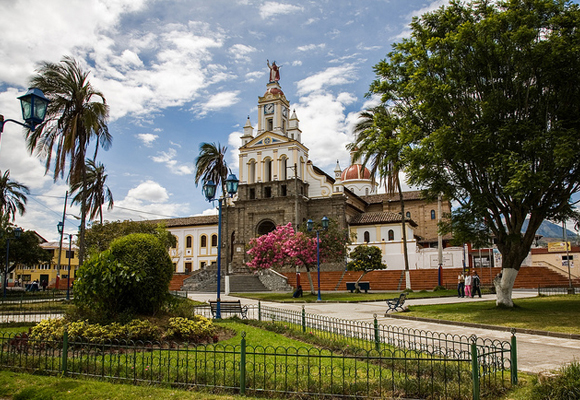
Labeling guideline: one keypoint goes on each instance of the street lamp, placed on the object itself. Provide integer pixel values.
(33, 105)
(60, 227)
(209, 189)
(17, 233)
(309, 226)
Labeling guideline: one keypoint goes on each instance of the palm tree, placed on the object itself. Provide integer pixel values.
(12, 196)
(211, 164)
(76, 115)
(376, 140)
(97, 192)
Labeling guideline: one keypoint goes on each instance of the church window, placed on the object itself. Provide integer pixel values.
(283, 168)
(265, 227)
(252, 171)
(408, 214)
(432, 214)
(283, 190)
(267, 192)
(252, 194)
(188, 242)
(366, 191)
(214, 240)
(267, 170)
(391, 234)
(203, 241)
(270, 124)
(367, 236)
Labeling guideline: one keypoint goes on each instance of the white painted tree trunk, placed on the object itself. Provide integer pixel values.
(504, 287)
(408, 279)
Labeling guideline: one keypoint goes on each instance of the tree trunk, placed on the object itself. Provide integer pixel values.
(310, 279)
(356, 285)
(403, 225)
(504, 285)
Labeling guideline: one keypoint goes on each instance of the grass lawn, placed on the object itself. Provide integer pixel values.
(546, 313)
(341, 297)
(18, 386)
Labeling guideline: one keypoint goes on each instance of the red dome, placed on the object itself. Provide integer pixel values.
(355, 171)
(274, 90)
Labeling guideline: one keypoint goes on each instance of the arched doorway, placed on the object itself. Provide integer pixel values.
(265, 226)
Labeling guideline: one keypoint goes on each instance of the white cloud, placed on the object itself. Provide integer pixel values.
(271, 9)
(147, 191)
(323, 113)
(309, 47)
(168, 158)
(253, 76)
(240, 52)
(147, 138)
(331, 76)
(219, 101)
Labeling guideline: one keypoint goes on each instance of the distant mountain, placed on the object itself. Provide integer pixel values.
(551, 230)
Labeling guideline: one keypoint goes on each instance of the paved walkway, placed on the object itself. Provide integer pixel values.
(536, 353)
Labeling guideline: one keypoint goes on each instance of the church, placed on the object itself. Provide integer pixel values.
(280, 184)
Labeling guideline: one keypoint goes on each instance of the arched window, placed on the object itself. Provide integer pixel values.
(283, 168)
(408, 214)
(188, 241)
(203, 241)
(391, 234)
(267, 170)
(252, 171)
(367, 236)
(432, 214)
(214, 241)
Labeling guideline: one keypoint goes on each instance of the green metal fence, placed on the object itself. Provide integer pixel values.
(25, 307)
(493, 363)
(374, 360)
(304, 372)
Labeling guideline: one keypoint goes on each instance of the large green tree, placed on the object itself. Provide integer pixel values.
(12, 196)
(486, 97)
(96, 192)
(376, 140)
(76, 116)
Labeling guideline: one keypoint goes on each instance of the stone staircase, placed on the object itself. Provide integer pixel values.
(205, 281)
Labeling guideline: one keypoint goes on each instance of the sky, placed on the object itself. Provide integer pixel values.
(178, 73)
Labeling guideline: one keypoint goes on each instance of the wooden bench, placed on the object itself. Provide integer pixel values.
(397, 303)
(366, 286)
(229, 307)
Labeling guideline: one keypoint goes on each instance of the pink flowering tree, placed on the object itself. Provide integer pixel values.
(282, 247)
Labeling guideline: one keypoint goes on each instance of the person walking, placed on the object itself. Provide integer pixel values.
(468, 285)
(476, 284)
(460, 285)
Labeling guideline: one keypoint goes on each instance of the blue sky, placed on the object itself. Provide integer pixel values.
(177, 73)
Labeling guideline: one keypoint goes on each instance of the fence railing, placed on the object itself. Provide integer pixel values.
(25, 307)
(356, 358)
(492, 361)
(250, 369)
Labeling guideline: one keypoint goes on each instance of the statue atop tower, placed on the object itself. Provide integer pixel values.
(274, 71)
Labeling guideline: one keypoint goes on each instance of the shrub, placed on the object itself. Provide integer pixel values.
(131, 277)
(53, 329)
(195, 329)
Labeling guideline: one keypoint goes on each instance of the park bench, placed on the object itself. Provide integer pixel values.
(229, 307)
(366, 286)
(397, 303)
